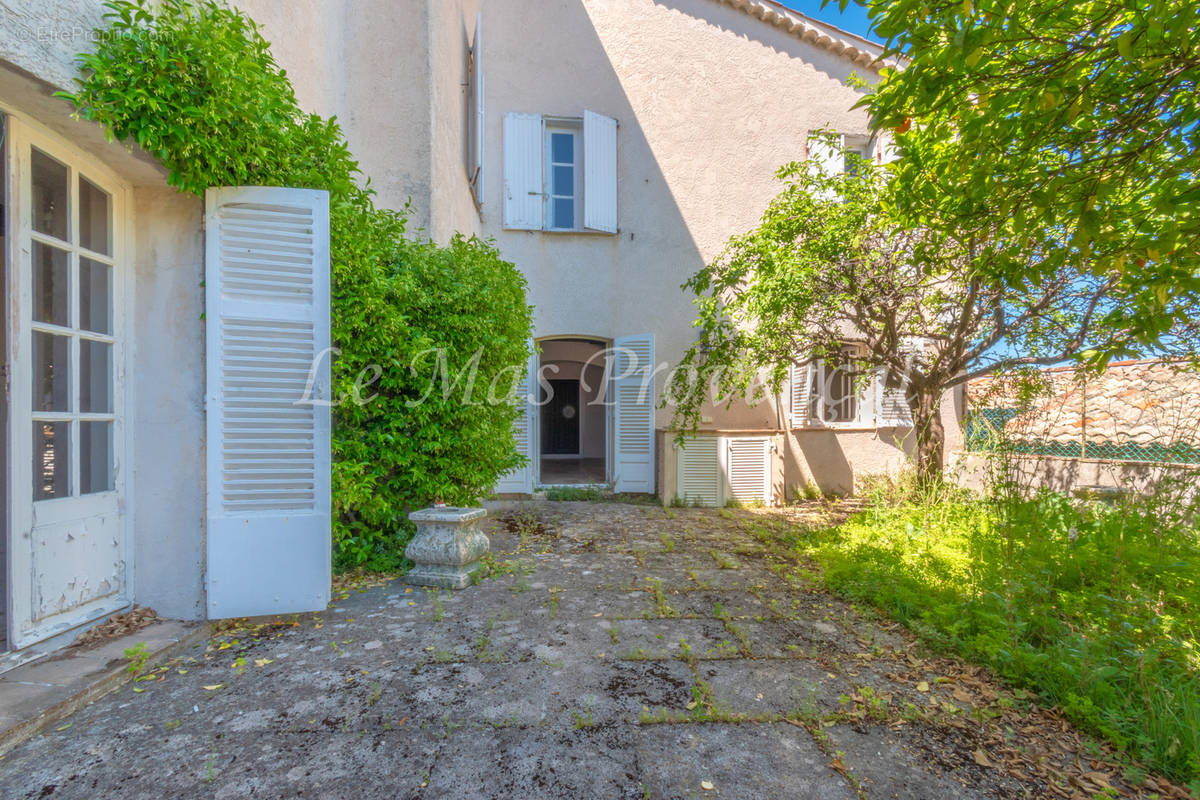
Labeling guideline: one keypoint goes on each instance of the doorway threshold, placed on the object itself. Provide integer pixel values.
(600, 486)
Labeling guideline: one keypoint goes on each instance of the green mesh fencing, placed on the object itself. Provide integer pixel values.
(984, 434)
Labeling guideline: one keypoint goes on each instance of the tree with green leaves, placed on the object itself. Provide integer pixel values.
(1057, 135)
(830, 263)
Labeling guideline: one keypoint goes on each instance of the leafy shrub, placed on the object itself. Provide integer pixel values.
(1096, 608)
(195, 85)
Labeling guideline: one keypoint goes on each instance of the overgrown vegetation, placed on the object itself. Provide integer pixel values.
(195, 85)
(1094, 607)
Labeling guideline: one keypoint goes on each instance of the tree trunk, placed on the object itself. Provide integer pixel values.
(931, 434)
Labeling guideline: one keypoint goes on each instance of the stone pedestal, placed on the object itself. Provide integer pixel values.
(447, 546)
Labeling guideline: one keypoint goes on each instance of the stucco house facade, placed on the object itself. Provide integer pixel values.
(673, 116)
(609, 147)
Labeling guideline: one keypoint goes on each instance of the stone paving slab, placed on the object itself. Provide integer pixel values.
(41, 692)
(803, 689)
(560, 676)
(739, 761)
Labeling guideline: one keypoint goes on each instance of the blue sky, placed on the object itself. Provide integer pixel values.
(853, 19)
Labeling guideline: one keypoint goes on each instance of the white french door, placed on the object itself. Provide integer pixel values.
(65, 316)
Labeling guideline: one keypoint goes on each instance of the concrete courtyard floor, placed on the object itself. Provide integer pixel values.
(614, 651)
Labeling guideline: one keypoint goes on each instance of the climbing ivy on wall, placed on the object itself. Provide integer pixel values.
(195, 85)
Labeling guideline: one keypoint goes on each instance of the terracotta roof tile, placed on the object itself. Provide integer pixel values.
(1141, 402)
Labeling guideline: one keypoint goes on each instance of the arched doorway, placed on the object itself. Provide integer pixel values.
(573, 412)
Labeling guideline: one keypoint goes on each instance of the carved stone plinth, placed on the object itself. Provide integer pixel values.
(447, 546)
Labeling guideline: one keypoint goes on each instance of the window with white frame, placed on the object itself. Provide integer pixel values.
(839, 391)
(858, 151)
(843, 391)
(564, 175)
(560, 173)
(837, 153)
(833, 391)
(72, 330)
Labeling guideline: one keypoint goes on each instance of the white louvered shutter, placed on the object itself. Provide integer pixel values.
(633, 400)
(748, 470)
(828, 157)
(520, 480)
(891, 403)
(523, 156)
(267, 400)
(800, 384)
(599, 172)
(477, 113)
(698, 471)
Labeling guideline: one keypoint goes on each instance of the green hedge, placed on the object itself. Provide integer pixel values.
(194, 84)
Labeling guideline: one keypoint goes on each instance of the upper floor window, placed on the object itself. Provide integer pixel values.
(565, 177)
(560, 173)
(838, 153)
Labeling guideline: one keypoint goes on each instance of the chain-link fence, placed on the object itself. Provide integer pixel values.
(985, 433)
(1143, 411)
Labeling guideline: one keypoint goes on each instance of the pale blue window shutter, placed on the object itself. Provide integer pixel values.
(520, 480)
(523, 156)
(267, 400)
(800, 380)
(633, 395)
(599, 172)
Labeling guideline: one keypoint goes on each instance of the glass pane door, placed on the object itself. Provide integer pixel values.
(72, 331)
(69, 548)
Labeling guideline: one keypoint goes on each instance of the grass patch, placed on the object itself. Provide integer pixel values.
(1096, 608)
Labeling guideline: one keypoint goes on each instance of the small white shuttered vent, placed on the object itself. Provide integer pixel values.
(633, 396)
(520, 480)
(748, 470)
(268, 448)
(698, 471)
(715, 470)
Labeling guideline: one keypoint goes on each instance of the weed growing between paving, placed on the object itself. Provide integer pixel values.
(1095, 607)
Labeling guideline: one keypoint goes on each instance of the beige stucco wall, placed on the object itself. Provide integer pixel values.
(42, 38)
(1032, 473)
(367, 63)
(451, 29)
(710, 103)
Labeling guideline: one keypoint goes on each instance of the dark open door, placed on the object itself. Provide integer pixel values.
(560, 419)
